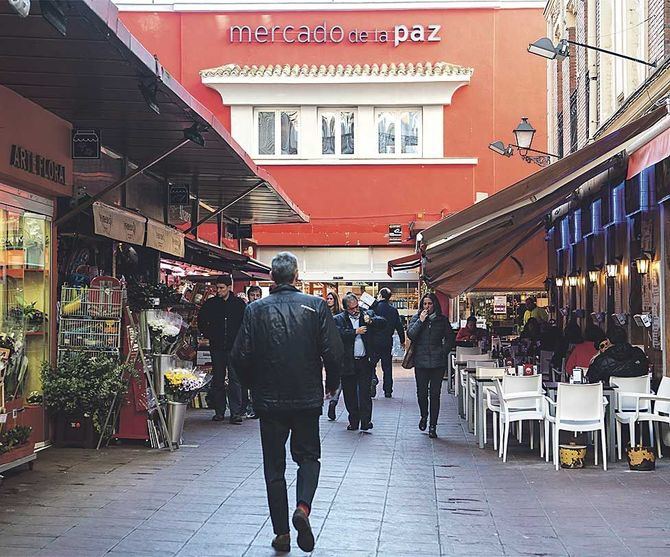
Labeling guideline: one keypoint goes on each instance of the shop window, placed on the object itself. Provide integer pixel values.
(576, 233)
(565, 233)
(618, 204)
(24, 296)
(278, 131)
(597, 216)
(337, 132)
(399, 132)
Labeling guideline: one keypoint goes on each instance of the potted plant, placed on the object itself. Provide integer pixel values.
(78, 391)
(181, 385)
(14, 443)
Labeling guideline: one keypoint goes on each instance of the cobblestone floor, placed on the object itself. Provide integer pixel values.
(392, 492)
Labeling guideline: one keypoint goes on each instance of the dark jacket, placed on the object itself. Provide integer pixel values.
(285, 340)
(219, 320)
(620, 360)
(383, 338)
(433, 339)
(348, 335)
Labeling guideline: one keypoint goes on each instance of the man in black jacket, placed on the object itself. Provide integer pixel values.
(621, 359)
(219, 320)
(356, 328)
(284, 342)
(383, 340)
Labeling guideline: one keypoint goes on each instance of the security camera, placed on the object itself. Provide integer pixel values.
(643, 320)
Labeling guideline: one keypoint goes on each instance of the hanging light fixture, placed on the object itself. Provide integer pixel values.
(559, 281)
(612, 269)
(593, 275)
(524, 134)
(573, 278)
(642, 263)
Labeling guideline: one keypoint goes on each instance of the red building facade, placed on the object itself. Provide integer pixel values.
(375, 121)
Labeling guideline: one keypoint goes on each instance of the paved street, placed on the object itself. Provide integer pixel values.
(393, 492)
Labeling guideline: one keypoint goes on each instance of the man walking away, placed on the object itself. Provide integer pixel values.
(383, 340)
(355, 328)
(219, 320)
(284, 342)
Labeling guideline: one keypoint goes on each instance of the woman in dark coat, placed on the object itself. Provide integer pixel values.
(433, 339)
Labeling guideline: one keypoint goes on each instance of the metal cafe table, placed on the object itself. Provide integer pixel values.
(551, 389)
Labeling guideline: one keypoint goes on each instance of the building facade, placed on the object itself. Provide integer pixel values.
(375, 117)
(611, 242)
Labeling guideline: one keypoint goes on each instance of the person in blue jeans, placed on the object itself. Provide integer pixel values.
(383, 341)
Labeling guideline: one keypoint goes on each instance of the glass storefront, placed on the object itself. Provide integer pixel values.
(25, 279)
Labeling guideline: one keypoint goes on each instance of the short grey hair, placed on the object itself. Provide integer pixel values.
(284, 267)
(348, 298)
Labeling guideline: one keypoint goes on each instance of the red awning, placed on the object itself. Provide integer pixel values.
(655, 151)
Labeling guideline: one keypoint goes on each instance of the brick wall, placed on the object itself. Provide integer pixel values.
(582, 77)
(657, 38)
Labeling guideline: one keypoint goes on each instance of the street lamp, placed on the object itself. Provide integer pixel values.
(593, 275)
(642, 263)
(612, 269)
(545, 48)
(523, 134)
(573, 278)
(559, 281)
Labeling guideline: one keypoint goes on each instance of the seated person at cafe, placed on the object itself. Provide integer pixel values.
(582, 353)
(531, 337)
(533, 311)
(471, 335)
(621, 359)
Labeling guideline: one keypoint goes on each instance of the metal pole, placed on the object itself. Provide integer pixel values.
(222, 209)
(86, 204)
(652, 64)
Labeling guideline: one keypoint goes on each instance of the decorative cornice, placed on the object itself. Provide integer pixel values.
(306, 72)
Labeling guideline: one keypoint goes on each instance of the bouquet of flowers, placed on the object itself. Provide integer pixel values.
(183, 384)
(165, 330)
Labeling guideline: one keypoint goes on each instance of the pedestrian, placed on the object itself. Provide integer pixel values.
(433, 339)
(253, 293)
(219, 320)
(383, 341)
(356, 329)
(333, 303)
(533, 311)
(284, 342)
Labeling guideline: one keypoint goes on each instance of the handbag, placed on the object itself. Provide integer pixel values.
(408, 359)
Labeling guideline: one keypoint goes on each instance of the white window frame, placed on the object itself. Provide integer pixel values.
(277, 112)
(337, 111)
(397, 111)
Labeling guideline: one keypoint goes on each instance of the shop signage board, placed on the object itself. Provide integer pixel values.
(165, 238)
(499, 305)
(395, 233)
(35, 163)
(85, 144)
(333, 33)
(118, 224)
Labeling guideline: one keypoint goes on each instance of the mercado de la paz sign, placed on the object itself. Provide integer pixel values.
(324, 33)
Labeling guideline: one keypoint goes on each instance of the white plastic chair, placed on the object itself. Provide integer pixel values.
(493, 406)
(578, 408)
(520, 399)
(463, 351)
(472, 390)
(660, 412)
(629, 406)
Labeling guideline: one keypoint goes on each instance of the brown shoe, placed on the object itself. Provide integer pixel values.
(305, 535)
(282, 543)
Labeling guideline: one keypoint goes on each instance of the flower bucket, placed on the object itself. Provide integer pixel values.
(641, 458)
(176, 413)
(572, 456)
(162, 363)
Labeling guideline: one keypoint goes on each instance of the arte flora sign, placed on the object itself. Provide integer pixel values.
(41, 166)
(325, 33)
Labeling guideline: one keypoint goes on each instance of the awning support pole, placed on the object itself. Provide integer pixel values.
(220, 210)
(86, 204)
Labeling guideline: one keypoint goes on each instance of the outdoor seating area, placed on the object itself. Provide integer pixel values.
(505, 402)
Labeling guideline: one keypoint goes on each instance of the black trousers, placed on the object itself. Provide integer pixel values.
(305, 451)
(429, 387)
(383, 354)
(357, 391)
(218, 391)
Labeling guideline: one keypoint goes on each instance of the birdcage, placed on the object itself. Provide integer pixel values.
(95, 303)
(89, 334)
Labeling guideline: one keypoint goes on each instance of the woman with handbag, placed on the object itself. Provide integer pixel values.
(432, 339)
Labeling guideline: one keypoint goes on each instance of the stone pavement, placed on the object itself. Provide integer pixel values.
(392, 492)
